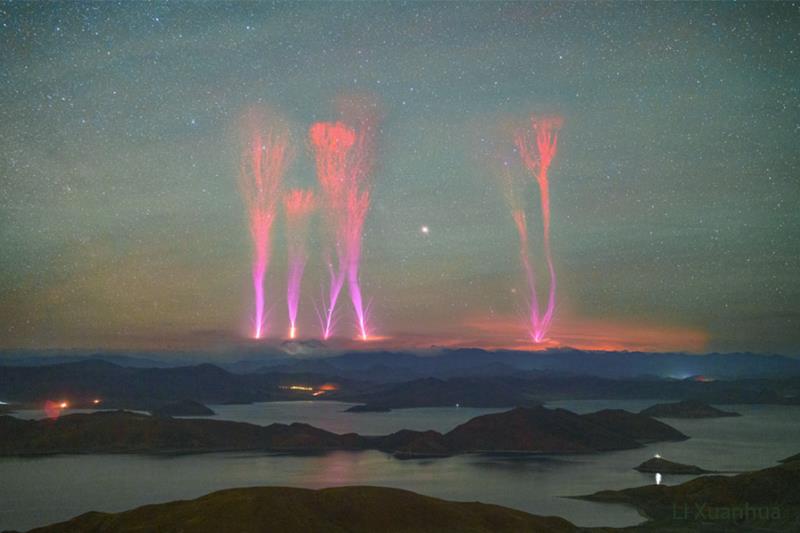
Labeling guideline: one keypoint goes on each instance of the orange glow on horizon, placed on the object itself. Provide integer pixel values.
(510, 333)
(597, 335)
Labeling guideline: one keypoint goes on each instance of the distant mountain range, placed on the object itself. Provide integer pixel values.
(382, 366)
(115, 386)
(148, 388)
(470, 362)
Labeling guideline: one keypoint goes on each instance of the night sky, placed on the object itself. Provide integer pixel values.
(675, 191)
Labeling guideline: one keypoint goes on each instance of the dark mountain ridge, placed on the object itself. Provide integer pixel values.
(530, 430)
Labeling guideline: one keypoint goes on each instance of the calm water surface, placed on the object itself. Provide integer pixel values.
(38, 491)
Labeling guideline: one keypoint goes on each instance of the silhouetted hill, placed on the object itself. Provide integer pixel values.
(537, 429)
(56, 357)
(639, 427)
(408, 444)
(334, 510)
(686, 409)
(183, 408)
(533, 389)
(434, 392)
(126, 432)
(569, 362)
(100, 379)
(528, 430)
(662, 466)
(444, 363)
(765, 500)
(368, 409)
(148, 388)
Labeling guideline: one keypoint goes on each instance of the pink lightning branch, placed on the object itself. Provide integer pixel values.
(299, 204)
(264, 159)
(537, 148)
(344, 160)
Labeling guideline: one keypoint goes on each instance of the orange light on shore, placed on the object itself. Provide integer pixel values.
(96, 401)
(301, 387)
(53, 409)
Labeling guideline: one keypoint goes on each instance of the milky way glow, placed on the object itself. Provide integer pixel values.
(544, 131)
(298, 205)
(343, 158)
(263, 162)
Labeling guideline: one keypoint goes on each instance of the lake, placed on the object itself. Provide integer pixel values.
(38, 491)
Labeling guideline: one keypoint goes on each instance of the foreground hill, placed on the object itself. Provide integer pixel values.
(765, 500)
(342, 509)
(529, 430)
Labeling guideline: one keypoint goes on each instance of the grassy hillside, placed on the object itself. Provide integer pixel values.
(764, 500)
(342, 509)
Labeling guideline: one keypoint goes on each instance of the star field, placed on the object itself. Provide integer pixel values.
(675, 191)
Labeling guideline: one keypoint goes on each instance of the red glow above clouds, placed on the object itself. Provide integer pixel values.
(509, 333)
(592, 334)
(298, 205)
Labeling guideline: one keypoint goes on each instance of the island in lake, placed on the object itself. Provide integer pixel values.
(686, 409)
(657, 465)
(182, 408)
(522, 430)
(764, 500)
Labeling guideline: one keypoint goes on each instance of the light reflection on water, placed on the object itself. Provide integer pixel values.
(36, 491)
